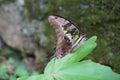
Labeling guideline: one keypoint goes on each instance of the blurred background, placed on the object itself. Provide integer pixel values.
(27, 39)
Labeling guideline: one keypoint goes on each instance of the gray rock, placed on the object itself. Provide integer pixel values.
(11, 26)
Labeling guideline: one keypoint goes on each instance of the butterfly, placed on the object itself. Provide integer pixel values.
(68, 36)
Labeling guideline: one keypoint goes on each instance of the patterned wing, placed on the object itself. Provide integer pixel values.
(67, 35)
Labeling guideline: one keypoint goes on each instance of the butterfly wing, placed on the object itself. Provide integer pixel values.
(67, 35)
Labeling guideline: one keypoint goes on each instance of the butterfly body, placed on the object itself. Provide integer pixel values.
(67, 35)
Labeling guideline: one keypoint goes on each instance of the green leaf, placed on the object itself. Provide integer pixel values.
(21, 71)
(82, 51)
(37, 77)
(3, 71)
(12, 77)
(86, 70)
(69, 67)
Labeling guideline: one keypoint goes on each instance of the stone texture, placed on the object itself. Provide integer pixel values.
(10, 29)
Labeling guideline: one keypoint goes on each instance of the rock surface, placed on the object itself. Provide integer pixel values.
(10, 29)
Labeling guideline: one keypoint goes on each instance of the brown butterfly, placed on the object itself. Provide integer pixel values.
(67, 34)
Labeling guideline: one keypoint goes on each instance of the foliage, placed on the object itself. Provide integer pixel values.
(69, 67)
(6, 1)
(11, 69)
